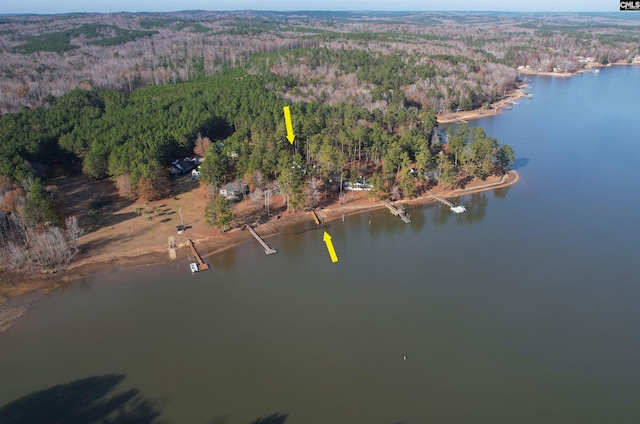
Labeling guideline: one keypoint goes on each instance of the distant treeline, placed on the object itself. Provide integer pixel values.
(97, 34)
(438, 61)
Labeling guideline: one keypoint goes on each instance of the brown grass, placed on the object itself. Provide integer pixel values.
(117, 236)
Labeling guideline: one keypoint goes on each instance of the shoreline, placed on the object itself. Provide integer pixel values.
(18, 291)
(91, 264)
(470, 115)
(214, 244)
(236, 236)
(496, 108)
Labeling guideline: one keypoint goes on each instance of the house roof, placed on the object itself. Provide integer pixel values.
(235, 186)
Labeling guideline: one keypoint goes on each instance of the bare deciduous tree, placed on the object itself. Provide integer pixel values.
(395, 192)
(73, 230)
(123, 184)
(201, 145)
(314, 191)
(256, 197)
(257, 179)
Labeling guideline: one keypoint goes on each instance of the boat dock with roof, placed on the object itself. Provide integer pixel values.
(398, 211)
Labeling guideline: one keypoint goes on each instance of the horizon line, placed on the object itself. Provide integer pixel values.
(308, 11)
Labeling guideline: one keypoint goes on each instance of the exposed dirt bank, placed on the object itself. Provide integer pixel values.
(126, 240)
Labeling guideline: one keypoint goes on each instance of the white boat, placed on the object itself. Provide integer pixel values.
(194, 267)
(458, 209)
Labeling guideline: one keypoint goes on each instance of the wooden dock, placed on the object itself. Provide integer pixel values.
(441, 199)
(267, 249)
(456, 209)
(201, 264)
(316, 218)
(398, 211)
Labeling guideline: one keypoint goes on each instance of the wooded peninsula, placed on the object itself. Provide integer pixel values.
(109, 102)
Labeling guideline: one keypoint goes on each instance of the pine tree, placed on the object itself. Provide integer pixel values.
(218, 212)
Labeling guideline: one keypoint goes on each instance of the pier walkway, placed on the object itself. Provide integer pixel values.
(456, 209)
(317, 219)
(201, 265)
(267, 249)
(398, 211)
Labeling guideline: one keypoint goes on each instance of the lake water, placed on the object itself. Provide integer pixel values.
(522, 310)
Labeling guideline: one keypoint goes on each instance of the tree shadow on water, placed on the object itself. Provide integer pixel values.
(520, 163)
(90, 400)
(476, 205)
(501, 192)
(275, 418)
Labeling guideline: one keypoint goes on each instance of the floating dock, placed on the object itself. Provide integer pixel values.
(267, 249)
(200, 265)
(456, 209)
(398, 211)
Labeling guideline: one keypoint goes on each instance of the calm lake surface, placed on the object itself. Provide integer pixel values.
(522, 310)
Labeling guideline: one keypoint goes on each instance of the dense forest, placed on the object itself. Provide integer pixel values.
(106, 133)
(120, 96)
(447, 60)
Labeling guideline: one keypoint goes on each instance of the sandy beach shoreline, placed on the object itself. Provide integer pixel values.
(468, 115)
(209, 242)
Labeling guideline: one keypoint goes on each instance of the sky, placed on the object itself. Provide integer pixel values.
(67, 6)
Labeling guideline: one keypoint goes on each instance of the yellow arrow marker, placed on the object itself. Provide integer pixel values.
(287, 121)
(332, 252)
